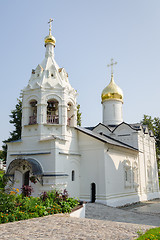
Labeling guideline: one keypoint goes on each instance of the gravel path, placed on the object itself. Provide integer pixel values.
(114, 224)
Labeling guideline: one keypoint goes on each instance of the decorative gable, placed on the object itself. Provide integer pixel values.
(100, 128)
(123, 129)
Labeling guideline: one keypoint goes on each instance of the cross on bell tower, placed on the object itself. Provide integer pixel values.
(50, 26)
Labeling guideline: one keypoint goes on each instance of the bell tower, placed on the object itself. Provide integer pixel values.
(49, 102)
(112, 100)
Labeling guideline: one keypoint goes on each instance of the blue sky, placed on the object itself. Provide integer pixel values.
(88, 33)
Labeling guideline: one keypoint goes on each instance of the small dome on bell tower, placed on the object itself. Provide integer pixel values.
(50, 39)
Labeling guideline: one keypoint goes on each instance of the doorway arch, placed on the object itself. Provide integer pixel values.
(93, 192)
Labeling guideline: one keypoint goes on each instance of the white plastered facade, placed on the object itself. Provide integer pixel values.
(114, 165)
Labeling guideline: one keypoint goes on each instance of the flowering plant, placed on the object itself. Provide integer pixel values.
(26, 190)
(33, 179)
(15, 207)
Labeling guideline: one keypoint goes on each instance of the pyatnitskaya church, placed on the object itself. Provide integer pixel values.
(112, 163)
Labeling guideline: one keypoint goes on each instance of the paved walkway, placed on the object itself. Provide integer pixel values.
(102, 223)
(147, 213)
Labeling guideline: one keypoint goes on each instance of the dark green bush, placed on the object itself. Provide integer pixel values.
(152, 234)
(3, 181)
(15, 207)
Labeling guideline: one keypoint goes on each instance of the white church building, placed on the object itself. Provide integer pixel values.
(112, 163)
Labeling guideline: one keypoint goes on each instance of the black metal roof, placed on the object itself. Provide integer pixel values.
(105, 138)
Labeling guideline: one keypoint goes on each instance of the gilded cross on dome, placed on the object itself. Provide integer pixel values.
(50, 26)
(111, 65)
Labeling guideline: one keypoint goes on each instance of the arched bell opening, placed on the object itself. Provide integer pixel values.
(52, 112)
(70, 114)
(33, 112)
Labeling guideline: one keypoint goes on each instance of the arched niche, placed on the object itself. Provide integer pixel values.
(127, 173)
(149, 171)
(135, 175)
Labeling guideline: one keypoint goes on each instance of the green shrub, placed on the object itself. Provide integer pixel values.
(7, 203)
(72, 202)
(54, 208)
(11, 218)
(3, 181)
(65, 207)
(1, 173)
(152, 234)
(15, 207)
(4, 218)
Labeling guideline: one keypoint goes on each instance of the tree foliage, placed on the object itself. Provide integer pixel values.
(16, 118)
(2, 154)
(78, 115)
(154, 125)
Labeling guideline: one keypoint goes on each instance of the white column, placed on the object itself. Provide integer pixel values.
(63, 117)
(42, 113)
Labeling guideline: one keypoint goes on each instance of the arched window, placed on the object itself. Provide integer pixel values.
(70, 114)
(126, 175)
(73, 175)
(52, 112)
(33, 112)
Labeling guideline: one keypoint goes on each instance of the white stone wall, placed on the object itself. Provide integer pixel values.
(91, 167)
(112, 112)
(148, 166)
(120, 172)
(103, 164)
(108, 166)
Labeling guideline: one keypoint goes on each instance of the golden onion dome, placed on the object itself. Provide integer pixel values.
(50, 39)
(112, 91)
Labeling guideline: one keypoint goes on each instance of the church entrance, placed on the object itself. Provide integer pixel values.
(93, 192)
(26, 178)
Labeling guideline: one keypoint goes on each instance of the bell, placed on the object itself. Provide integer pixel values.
(50, 104)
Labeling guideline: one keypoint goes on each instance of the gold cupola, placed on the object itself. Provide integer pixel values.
(50, 39)
(112, 92)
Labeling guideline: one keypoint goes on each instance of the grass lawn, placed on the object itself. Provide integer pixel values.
(152, 234)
